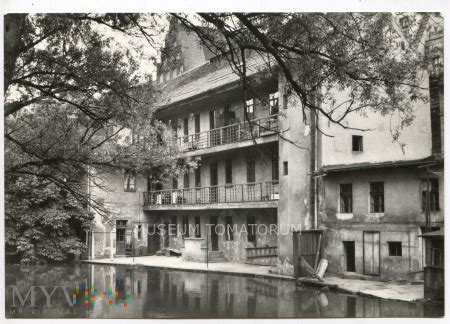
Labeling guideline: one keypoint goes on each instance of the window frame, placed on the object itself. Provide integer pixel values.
(434, 195)
(250, 165)
(274, 103)
(359, 144)
(250, 108)
(128, 185)
(394, 248)
(342, 197)
(285, 168)
(373, 194)
(139, 232)
(228, 171)
(186, 181)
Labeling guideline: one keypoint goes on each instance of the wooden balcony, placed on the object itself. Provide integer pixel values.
(235, 133)
(247, 195)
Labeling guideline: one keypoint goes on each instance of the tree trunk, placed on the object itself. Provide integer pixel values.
(14, 25)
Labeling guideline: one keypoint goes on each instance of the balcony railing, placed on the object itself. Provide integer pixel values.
(247, 192)
(261, 252)
(229, 134)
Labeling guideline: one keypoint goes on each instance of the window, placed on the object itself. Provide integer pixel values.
(174, 183)
(121, 223)
(139, 232)
(186, 232)
(346, 198)
(275, 173)
(198, 179)
(186, 129)
(273, 103)
(434, 194)
(174, 130)
(395, 248)
(198, 232)
(251, 229)
(186, 181)
(250, 170)
(404, 22)
(197, 126)
(377, 197)
(173, 226)
(128, 184)
(357, 143)
(229, 228)
(285, 168)
(249, 108)
(228, 171)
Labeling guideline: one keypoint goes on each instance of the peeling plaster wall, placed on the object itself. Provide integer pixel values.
(122, 205)
(401, 220)
(234, 251)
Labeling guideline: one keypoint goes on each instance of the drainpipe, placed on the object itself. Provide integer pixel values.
(314, 164)
(428, 201)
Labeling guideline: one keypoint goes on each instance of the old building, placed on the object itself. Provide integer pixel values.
(232, 204)
(243, 201)
(371, 196)
(380, 195)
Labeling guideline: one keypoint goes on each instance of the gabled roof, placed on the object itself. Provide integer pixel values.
(204, 78)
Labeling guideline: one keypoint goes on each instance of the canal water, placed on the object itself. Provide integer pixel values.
(102, 291)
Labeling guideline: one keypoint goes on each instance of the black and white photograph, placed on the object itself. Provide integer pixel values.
(222, 162)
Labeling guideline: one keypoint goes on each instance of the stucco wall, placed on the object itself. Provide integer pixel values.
(402, 196)
(378, 144)
(294, 208)
(401, 220)
(122, 205)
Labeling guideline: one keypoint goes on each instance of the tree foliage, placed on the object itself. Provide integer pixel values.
(75, 103)
(367, 55)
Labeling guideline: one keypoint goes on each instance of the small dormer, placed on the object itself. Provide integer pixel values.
(183, 51)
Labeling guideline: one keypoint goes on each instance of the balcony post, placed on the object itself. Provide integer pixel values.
(260, 191)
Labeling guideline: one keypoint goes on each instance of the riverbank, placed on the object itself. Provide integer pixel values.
(367, 288)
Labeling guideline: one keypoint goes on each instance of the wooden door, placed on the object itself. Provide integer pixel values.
(214, 180)
(214, 236)
(371, 253)
(120, 241)
(121, 226)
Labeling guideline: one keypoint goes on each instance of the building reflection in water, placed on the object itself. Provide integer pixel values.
(156, 293)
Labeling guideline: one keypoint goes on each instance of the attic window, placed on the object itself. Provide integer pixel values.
(357, 143)
(128, 183)
(273, 102)
(404, 22)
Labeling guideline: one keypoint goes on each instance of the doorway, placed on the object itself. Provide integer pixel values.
(153, 241)
(371, 253)
(121, 226)
(213, 182)
(349, 250)
(166, 234)
(214, 236)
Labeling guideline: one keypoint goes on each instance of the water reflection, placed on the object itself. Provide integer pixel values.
(101, 291)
